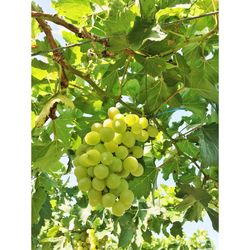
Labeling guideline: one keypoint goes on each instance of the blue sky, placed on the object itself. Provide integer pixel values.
(189, 227)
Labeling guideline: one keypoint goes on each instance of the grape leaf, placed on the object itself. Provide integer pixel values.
(38, 199)
(131, 88)
(147, 9)
(214, 217)
(142, 186)
(128, 229)
(176, 229)
(72, 9)
(208, 140)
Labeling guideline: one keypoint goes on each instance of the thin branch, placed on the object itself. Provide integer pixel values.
(169, 98)
(59, 58)
(60, 48)
(82, 33)
(191, 18)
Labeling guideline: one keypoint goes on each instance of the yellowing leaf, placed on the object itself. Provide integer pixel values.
(41, 119)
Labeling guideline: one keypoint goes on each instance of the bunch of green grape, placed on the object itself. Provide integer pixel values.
(108, 155)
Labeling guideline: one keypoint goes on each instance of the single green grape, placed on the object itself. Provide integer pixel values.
(112, 111)
(107, 134)
(131, 119)
(127, 196)
(116, 165)
(111, 146)
(106, 158)
(152, 131)
(137, 152)
(121, 152)
(76, 161)
(100, 147)
(82, 149)
(92, 138)
(84, 184)
(94, 156)
(139, 171)
(84, 160)
(117, 138)
(118, 208)
(136, 128)
(90, 171)
(119, 117)
(108, 123)
(143, 121)
(123, 186)
(101, 171)
(119, 126)
(142, 137)
(113, 181)
(98, 184)
(80, 172)
(130, 163)
(108, 200)
(95, 195)
(124, 173)
(128, 139)
(96, 127)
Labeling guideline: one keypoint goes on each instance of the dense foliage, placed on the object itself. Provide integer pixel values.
(157, 59)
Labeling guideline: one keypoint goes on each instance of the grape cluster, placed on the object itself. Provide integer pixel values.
(108, 155)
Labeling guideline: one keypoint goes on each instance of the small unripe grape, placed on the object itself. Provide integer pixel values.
(117, 138)
(128, 139)
(84, 184)
(130, 119)
(119, 117)
(95, 203)
(76, 161)
(108, 200)
(90, 171)
(130, 163)
(113, 181)
(121, 152)
(118, 208)
(94, 156)
(139, 171)
(108, 123)
(111, 146)
(116, 165)
(107, 134)
(124, 173)
(96, 127)
(84, 160)
(98, 184)
(123, 186)
(81, 149)
(80, 172)
(137, 152)
(136, 128)
(127, 196)
(143, 136)
(119, 126)
(112, 111)
(94, 194)
(152, 131)
(100, 147)
(106, 158)
(144, 122)
(101, 171)
(92, 138)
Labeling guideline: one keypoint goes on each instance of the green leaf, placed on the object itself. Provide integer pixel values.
(143, 32)
(42, 117)
(38, 199)
(199, 194)
(147, 9)
(208, 140)
(72, 9)
(170, 166)
(49, 162)
(214, 217)
(155, 224)
(142, 186)
(186, 203)
(198, 82)
(194, 212)
(176, 229)
(128, 229)
(131, 88)
(188, 148)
